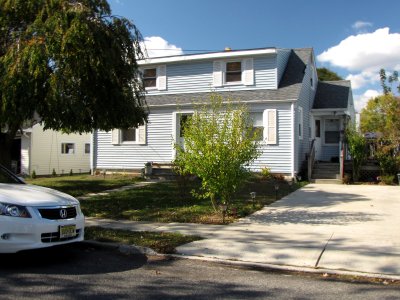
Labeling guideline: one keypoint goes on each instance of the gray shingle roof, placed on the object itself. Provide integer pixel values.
(289, 87)
(332, 94)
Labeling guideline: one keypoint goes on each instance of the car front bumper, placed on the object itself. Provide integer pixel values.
(18, 234)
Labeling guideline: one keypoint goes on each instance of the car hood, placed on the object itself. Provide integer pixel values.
(33, 195)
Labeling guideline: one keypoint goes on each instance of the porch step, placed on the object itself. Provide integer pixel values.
(162, 171)
(325, 170)
(326, 181)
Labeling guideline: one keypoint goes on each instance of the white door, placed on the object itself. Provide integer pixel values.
(317, 135)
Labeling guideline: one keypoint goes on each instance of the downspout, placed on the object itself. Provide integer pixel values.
(92, 153)
(292, 146)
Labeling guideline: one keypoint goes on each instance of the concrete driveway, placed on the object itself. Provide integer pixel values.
(354, 227)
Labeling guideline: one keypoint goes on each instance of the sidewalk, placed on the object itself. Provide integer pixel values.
(333, 227)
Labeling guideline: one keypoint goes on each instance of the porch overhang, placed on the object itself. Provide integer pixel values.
(330, 112)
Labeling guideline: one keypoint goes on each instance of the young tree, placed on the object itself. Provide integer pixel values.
(219, 143)
(381, 115)
(357, 147)
(69, 64)
(387, 89)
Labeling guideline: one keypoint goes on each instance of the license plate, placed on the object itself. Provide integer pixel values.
(67, 231)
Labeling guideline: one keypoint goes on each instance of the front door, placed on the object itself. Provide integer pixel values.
(317, 143)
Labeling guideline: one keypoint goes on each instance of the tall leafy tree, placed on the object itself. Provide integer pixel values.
(388, 80)
(325, 74)
(219, 143)
(381, 115)
(69, 64)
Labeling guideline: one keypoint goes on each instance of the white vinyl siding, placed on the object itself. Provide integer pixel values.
(200, 76)
(157, 147)
(45, 152)
(278, 156)
(162, 131)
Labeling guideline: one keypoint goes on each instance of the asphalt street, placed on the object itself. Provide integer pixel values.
(83, 271)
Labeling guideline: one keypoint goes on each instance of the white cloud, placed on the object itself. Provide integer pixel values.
(362, 79)
(365, 51)
(361, 25)
(156, 46)
(360, 101)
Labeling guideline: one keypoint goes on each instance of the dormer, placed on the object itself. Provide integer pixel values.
(219, 71)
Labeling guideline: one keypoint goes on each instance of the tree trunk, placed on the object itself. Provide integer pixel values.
(214, 202)
(5, 149)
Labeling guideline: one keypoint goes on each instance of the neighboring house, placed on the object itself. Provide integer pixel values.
(44, 150)
(280, 87)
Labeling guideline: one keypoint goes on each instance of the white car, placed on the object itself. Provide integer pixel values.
(36, 217)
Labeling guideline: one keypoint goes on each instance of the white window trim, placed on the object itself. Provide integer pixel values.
(300, 130)
(239, 82)
(84, 148)
(161, 78)
(116, 136)
(73, 153)
(247, 72)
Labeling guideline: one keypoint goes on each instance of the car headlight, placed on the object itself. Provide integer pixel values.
(12, 210)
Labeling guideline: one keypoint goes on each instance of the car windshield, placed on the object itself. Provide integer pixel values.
(7, 177)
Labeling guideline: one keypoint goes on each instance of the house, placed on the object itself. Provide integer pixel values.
(281, 89)
(44, 150)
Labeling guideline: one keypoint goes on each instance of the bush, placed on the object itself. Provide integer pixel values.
(33, 176)
(266, 173)
(71, 173)
(54, 174)
(387, 179)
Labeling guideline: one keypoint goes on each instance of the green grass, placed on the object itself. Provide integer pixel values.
(78, 185)
(169, 202)
(161, 242)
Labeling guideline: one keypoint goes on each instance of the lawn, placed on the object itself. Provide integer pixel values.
(78, 185)
(161, 242)
(170, 202)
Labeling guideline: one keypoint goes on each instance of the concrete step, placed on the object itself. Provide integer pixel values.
(326, 181)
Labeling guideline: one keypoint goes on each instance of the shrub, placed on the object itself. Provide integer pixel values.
(266, 173)
(54, 174)
(33, 176)
(71, 173)
(387, 179)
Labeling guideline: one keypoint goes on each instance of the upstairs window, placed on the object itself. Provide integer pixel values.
(233, 71)
(150, 77)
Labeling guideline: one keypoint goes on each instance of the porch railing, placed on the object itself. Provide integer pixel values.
(311, 159)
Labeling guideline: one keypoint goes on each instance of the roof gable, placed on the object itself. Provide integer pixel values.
(332, 94)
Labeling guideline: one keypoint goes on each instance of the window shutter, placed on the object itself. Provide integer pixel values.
(217, 73)
(270, 132)
(115, 136)
(162, 77)
(248, 72)
(142, 139)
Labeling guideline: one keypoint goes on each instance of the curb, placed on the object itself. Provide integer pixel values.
(287, 268)
(134, 250)
(123, 248)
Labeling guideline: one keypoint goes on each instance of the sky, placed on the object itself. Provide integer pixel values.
(354, 38)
